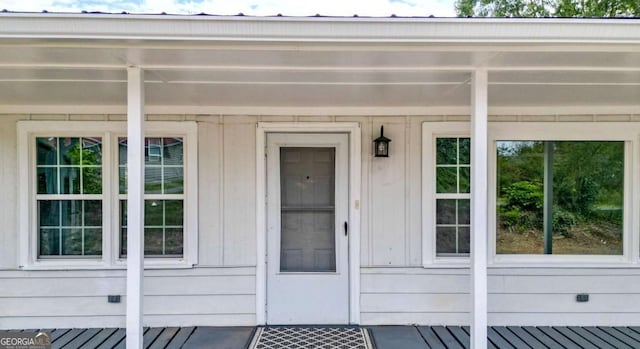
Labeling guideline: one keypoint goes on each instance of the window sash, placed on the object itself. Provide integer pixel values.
(28, 197)
(439, 229)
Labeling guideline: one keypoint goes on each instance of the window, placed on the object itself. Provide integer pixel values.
(69, 196)
(588, 168)
(446, 203)
(164, 196)
(561, 192)
(453, 164)
(581, 183)
(73, 194)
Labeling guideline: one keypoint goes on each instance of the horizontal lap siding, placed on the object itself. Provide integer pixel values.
(201, 296)
(540, 297)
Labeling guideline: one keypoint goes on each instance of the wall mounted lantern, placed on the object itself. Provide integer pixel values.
(381, 145)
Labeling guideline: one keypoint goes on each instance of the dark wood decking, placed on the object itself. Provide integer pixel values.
(384, 337)
(509, 337)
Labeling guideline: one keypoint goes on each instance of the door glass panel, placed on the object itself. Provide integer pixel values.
(307, 201)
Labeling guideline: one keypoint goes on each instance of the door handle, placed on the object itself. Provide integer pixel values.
(346, 228)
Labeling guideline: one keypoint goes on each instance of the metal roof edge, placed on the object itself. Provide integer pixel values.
(316, 29)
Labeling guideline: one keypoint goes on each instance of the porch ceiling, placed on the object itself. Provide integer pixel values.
(77, 72)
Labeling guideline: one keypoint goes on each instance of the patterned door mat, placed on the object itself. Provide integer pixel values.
(281, 337)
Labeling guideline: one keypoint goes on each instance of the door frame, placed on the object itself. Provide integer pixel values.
(352, 129)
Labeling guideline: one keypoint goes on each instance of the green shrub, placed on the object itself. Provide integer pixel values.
(528, 196)
(563, 221)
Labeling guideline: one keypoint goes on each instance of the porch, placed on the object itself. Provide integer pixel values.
(383, 337)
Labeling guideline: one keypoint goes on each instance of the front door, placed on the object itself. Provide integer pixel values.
(307, 229)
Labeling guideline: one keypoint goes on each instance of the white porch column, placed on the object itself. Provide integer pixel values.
(135, 205)
(479, 202)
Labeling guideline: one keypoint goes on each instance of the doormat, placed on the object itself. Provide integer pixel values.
(311, 338)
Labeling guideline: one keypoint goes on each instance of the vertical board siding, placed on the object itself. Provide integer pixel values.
(221, 290)
(388, 198)
(239, 192)
(210, 146)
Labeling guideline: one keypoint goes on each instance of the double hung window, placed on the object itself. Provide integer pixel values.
(73, 183)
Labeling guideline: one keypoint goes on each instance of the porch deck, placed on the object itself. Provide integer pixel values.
(384, 337)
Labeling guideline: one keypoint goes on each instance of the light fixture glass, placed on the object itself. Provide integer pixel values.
(381, 145)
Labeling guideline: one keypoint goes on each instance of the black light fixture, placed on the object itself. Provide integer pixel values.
(381, 145)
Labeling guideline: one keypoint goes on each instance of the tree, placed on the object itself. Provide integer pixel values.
(548, 8)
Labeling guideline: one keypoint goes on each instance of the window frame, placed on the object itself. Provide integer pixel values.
(109, 131)
(430, 132)
(568, 131)
(536, 131)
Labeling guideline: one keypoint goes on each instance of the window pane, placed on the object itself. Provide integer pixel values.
(92, 242)
(70, 180)
(465, 179)
(49, 213)
(47, 180)
(446, 180)
(445, 211)
(92, 151)
(69, 150)
(123, 242)
(446, 151)
(47, 151)
(122, 151)
(464, 157)
(464, 211)
(464, 240)
(72, 242)
(152, 180)
(446, 240)
(91, 180)
(153, 151)
(163, 228)
(71, 213)
(153, 213)
(174, 212)
(173, 181)
(122, 179)
(123, 213)
(173, 151)
(92, 213)
(49, 242)
(63, 227)
(153, 241)
(588, 180)
(173, 244)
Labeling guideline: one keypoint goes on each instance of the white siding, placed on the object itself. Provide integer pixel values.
(239, 191)
(221, 289)
(200, 296)
(517, 296)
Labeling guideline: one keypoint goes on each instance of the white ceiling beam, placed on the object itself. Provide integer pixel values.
(336, 83)
(336, 69)
(319, 47)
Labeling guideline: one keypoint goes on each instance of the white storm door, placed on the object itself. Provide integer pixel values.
(307, 228)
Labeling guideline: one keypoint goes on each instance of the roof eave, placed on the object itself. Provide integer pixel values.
(318, 29)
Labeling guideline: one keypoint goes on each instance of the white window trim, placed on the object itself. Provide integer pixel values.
(570, 131)
(431, 131)
(109, 131)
